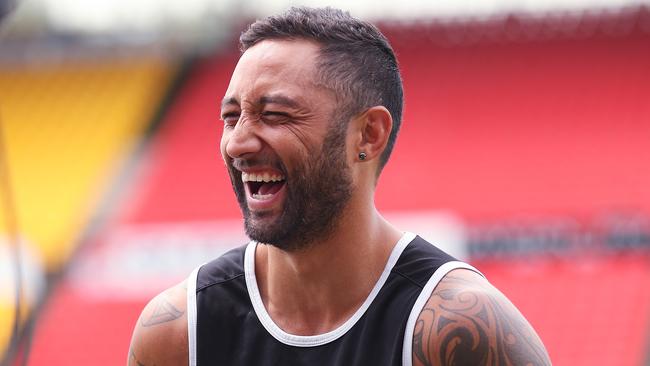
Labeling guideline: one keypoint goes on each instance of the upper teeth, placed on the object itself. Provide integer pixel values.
(261, 177)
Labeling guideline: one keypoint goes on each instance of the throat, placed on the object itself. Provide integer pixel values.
(304, 305)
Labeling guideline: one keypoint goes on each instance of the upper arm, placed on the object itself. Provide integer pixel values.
(160, 334)
(467, 321)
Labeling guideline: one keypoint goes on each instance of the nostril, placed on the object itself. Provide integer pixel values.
(241, 141)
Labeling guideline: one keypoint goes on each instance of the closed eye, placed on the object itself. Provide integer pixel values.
(230, 119)
(274, 116)
(274, 113)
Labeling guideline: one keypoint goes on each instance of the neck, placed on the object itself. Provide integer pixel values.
(314, 290)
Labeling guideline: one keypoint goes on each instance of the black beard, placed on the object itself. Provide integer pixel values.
(316, 194)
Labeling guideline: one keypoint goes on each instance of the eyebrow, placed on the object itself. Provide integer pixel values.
(278, 99)
(229, 101)
(266, 99)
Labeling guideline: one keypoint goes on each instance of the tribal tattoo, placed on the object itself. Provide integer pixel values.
(163, 312)
(468, 323)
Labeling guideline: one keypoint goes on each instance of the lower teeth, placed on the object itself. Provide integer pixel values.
(262, 197)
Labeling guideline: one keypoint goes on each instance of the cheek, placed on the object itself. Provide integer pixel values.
(305, 141)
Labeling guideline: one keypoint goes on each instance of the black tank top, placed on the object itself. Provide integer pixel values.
(228, 324)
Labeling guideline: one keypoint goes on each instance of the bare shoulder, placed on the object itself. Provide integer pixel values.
(467, 321)
(160, 334)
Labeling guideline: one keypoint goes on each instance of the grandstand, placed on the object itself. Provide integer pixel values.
(68, 126)
(526, 134)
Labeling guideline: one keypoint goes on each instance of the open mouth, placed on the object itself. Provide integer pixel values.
(263, 186)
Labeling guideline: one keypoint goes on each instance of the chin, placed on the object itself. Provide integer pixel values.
(277, 238)
(263, 228)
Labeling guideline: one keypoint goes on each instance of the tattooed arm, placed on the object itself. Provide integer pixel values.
(160, 334)
(469, 322)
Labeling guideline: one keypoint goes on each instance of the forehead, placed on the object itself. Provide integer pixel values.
(271, 67)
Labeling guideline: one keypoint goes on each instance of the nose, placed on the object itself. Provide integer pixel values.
(241, 140)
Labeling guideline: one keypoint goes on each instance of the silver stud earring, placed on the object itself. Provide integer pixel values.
(362, 156)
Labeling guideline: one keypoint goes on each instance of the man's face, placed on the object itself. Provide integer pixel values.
(285, 155)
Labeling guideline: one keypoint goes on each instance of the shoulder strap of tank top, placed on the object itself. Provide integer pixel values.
(191, 315)
(407, 348)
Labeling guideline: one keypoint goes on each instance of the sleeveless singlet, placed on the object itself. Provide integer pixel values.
(228, 324)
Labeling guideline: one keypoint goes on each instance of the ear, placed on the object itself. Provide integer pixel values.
(374, 126)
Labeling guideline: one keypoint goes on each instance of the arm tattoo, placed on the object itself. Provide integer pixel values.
(462, 325)
(163, 312)
(133, 361)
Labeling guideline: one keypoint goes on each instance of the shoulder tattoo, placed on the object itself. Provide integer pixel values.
(465, 323)
(163, 311)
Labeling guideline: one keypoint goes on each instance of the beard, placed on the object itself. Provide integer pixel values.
(317, 192)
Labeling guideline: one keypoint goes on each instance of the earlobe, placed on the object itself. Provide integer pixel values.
(375, 127)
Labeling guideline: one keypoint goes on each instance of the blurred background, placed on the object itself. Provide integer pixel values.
(525, 150)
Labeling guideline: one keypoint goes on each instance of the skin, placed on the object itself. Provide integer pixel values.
(317, 275)
(275, 108)
(160, 334)
(469, 322)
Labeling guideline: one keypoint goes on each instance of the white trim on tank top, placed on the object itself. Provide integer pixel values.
(425, 294)
(191, 316)
(319, 339)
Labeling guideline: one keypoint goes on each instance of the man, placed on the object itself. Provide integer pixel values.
(310, 118)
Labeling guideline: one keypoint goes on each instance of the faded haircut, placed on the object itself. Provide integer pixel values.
(356, 61)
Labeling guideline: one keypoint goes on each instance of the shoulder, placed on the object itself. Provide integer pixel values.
(467, 321)
(227, 266)
(160, 334)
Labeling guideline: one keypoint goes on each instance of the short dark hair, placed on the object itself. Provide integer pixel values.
(356, 59)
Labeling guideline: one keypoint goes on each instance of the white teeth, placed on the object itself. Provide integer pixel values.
(261, 177)
(262, 197)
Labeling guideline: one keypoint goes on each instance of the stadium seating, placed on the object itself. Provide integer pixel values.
(581, 303)
(68, 126)
(547, 122)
